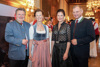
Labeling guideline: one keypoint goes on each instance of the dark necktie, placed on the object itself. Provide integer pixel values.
(75, 28)
(26, 46)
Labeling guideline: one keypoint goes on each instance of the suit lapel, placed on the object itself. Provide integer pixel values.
(73, 26)
(18, 27)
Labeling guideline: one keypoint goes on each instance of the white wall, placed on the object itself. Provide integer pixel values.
(6, 10)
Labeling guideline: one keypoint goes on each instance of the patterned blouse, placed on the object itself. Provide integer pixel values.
(63, 34)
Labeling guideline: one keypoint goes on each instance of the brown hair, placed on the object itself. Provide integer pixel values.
(61, 10)
(22, 9)
(38, 10)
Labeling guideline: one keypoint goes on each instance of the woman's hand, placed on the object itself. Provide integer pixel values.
(30, 57)
(65, 56)
(35, 42)
(67, 51)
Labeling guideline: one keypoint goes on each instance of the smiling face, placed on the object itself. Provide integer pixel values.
(39, 16)
(77, 12)
(60, 17)
(20, 16)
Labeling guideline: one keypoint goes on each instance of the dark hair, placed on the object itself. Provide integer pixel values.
(68, 22)
(92, 19)
(38, 10)
(71, 20)
(22, 9)
(50, 18)
(61, 10)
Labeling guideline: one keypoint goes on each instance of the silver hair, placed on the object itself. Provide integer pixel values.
(77, 6)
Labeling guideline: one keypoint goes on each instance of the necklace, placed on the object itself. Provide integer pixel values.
(39, 27)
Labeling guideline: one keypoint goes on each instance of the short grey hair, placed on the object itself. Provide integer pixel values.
(77, 6)
(22, 9)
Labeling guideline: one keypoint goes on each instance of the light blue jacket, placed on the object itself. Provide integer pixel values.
(14, 33)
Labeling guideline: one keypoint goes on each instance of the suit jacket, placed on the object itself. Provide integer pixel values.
(84, 33)
(14, 33)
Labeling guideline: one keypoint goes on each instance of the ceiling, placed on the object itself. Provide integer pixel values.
(20, 3)
(77, 1)
(14, 3)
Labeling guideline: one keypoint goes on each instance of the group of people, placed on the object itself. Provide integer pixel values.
(29, 45)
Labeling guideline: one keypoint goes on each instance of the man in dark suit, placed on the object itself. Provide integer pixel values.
(82, 33)
(17, 35)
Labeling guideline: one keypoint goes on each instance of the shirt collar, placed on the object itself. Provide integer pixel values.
(61, 24)
(79, 19)
(19, 22)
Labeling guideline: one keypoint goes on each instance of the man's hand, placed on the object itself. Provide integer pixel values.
(24, 41)
(74, 41)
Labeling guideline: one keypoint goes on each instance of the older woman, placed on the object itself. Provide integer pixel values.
(39, 37)
(61, 38)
